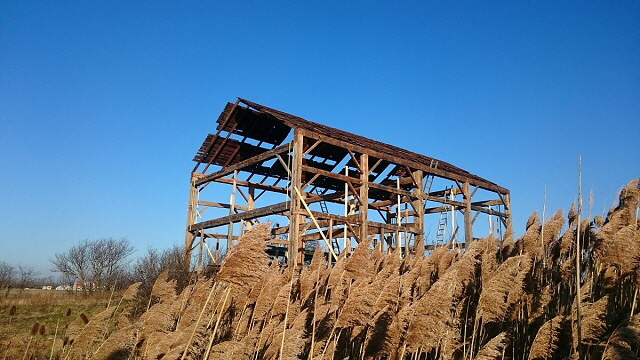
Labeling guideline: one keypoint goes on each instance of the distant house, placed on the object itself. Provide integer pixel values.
(47, 287)
(78, 285)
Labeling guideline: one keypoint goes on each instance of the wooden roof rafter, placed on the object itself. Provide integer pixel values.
(246, 120)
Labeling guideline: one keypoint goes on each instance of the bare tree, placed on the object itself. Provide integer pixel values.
(107, 259)
(7, 273)
(26, 277)
(74, 262)
(98, 262)
(148, 267)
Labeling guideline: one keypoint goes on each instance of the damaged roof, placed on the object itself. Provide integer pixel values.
(268, 127)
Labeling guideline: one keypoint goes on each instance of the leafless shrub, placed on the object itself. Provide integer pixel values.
(96, 263)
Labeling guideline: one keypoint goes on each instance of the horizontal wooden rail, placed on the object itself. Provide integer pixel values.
(242, 164)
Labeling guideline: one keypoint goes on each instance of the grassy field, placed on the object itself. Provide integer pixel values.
(50, 309)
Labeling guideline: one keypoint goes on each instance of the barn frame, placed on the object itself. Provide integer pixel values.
(338, 190)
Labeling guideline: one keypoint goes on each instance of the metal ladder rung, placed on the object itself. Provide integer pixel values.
(428, 183)
(442, 225)
(323, 204)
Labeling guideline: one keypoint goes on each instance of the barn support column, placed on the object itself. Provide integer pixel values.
(189, 236)
(419, 214)
(295, 256)
(506, 199)
(364, 197)
(250, 204)
(468, 223)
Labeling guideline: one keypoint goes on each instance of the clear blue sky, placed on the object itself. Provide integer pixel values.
(103, 104)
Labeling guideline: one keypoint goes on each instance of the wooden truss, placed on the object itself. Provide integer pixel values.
(336, 188)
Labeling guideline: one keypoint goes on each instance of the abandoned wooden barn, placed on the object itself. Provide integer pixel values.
(327, 187)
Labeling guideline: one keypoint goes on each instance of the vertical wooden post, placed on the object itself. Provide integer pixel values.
(398, 218)
(419, 215)
(200, 252)
(216, 253)
(330, 239)
(232, 209)
(364, 197)
(393, 239)
(506, 198)
(347, 240)
(468, 225)
(296, 257)
(250, 204)
(189, 236)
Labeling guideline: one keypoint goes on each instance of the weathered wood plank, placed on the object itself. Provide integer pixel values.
(400, 161)
(220, 205)
(468, 224)
(330, 174)
(247, 215)
(242, 164)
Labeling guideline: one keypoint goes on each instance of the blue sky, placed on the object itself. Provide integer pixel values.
(103, 105)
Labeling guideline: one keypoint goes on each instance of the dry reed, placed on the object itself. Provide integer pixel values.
(492, 300)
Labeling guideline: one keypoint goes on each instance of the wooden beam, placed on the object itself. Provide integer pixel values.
(220, 205)
(330, 174)
(295, 255)
(486, 202)
(506, 199)
(384, 204)
(310, 197)
(355, 220)
(475, 217)
(310, 148)
(251, 204)
(445, 192)
(355, 160)
(242, 164)
(468, 224)
(400, 161)
(213, 139)
(391, 189)
(364, 196)
(459, 206)
(247, 215)
(231, 212)
(189, 237)
(339, 232)
(418, 205)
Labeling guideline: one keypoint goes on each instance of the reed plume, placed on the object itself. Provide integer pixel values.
(545, 343)
(624, 343)
(360, 261)
(504, 289)
(247, 260)
(495, 348)
(93, 333)
(490, 300)
(118, 346)
(164, 288)
(594, 320)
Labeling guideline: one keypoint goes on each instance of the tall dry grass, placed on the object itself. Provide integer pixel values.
(492, 300)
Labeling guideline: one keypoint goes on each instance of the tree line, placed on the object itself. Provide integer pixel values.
(100, 265)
